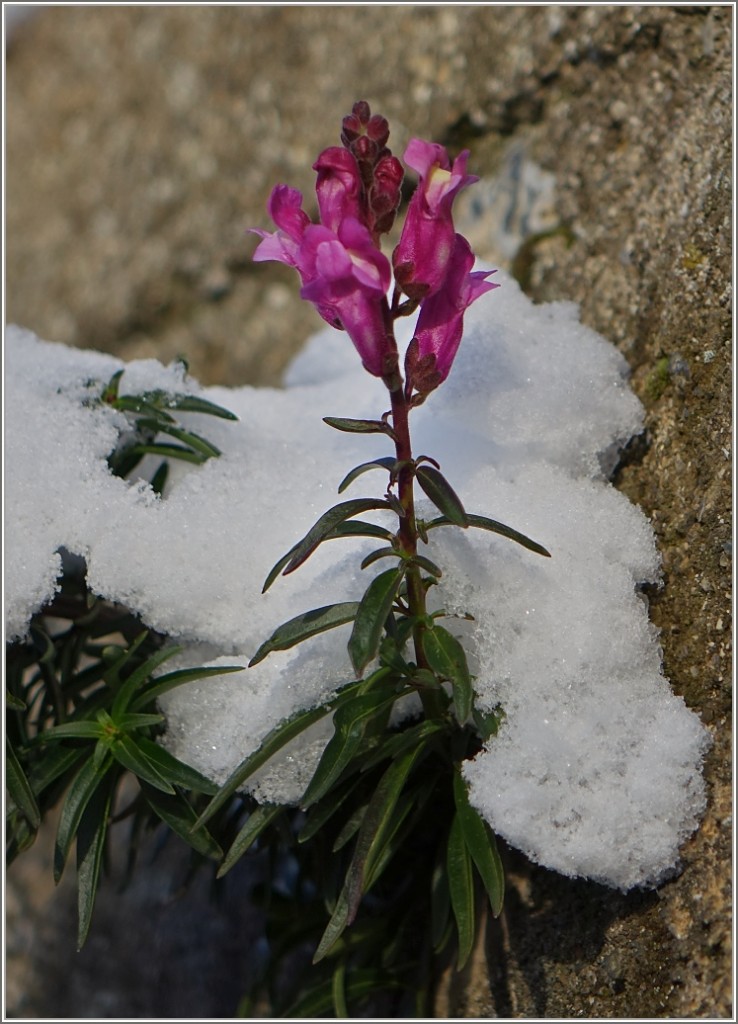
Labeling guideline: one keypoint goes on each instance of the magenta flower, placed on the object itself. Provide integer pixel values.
(343, 273)
(285, 209)
(338, 187)
(440, 323)
(421, 259)
(346, 278)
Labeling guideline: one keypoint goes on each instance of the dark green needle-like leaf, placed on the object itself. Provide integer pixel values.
(461, 889)
(447, 658)
(384, 463)
(483, 523)
(257, 823)
(79, 794)
(371, 615)
(480, 843)
(442, 494)
(303, 626)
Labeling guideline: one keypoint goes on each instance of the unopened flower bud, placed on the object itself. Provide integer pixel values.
(384, 195)
(381, 203)
(362, 111)
(350, 130)
(388, 175)
(378, 130)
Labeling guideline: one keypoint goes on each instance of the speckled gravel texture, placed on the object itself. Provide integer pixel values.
(143, 141)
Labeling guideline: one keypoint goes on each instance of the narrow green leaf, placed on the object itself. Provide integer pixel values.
(100, 753)
(334, 929)
(129, 721)
(318, 1000)
(480, 843)
(53, 764)
(350, 827)
(442, 494)
(323, 810)
(44, 644)
(483, 523)
(461, 890)
(327, 522)
(351, 722)
(187, 437)
(348, 528)
(19, 836)
(14, 703)
(371, 615)
(83, 730)
(392, 841)
(387, 463)
(126, 752)
(180, 816)
(258, 821)
(359, 426)
(139, 404)
(440, 905)
(278, 567)
(79, 794)
(191, 403)
(358, 528)
(416, 735)
(174, 770)
(378, 823)
(338, 989)
(425, 563)
(279, 737)
(303, 626)
(168, 451)
(138, 678)
(447, 658)
(116, 657)
(111, 388)
(159, 479)
(486, 723)
(19, 788)
(169, 681)
(93, 828)
(374, 556)
(391, 654)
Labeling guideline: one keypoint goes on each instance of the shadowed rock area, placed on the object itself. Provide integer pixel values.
(142, 142)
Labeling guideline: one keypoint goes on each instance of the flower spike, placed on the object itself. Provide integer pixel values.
(342, 269)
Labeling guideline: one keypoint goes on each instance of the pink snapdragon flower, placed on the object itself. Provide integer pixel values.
(440, 323)
(285, 209)
(421, 258)
(343, 273)
(348, 278)
(338, 187)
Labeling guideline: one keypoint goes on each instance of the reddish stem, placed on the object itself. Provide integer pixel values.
(408, 538)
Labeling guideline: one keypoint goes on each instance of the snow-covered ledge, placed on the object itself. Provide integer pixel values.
(596, 769)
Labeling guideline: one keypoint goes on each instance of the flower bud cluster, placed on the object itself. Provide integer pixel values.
(365, 136)
(343, 270)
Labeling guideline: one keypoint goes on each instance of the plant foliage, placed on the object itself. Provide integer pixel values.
(379, 878)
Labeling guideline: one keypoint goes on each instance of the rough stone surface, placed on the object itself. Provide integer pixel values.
(142, 141)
